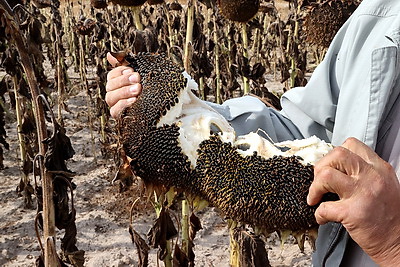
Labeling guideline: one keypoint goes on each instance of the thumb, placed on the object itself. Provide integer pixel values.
(330, 211)
(112, 60)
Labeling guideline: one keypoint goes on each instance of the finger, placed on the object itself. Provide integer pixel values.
(357, 147)
(344, 160)
(119, 71)
(112, 60)
(328, 179)
(126, 79)
(332, 211)
(117, 59)
(116, 110)
(123, 93)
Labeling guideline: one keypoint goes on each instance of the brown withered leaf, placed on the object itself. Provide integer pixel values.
(143, 41)
(85, 26)
(120, 56)
(195, 226)
(28, 122)
(244, 66)
(175, 6)
(124, 175)
(155, 2)
(42, 3)
(10, 62)
(180, 258)
(141, 246)
(3, 133)
(257, 71)
(162, 230)
(252, 249)
(59, 150)
(76, 258)
(208, 3)
(1, 159)
(100, 4)
(128, 2)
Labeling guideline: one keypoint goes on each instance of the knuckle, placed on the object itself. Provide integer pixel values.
(320, 214)
(107, 99)
(137, 76)
(322, 172)
(113, 112)
(110, 74)
(387, 167)
(340, 152)
(351, 140)
(125, 93)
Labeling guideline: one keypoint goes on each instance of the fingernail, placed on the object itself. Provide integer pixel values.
(130, 100)
(126, 71)
(133, 89)
(134, 78)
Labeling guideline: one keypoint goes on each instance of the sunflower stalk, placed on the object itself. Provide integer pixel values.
(256, 44)
(266, 24)
(171, 33)
(136, 17)
(293, 59)
(234, 259)
(245, 44)
(201, 88)
(110, 31)
(103, 117)
(22, 144)
(201, 79)
(218, 98)
(60, 77)
(83, 76)
(230, 60)
(186, 63)
(189, 36)
(73, 51)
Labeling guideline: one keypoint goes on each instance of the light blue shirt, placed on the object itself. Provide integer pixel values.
(350, 94)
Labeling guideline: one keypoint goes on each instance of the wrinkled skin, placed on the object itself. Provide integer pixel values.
(367, 185)
(369, 202)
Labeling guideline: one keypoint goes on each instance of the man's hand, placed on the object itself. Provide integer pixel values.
(123, 87)
(369, 205)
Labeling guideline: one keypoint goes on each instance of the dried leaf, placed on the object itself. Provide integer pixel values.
(100, 4)
(76, 258)
(59, 150)
(175, 6)
(124, 174)
(195, 226)
(141, 246)
(162, 230)
(257, 71)
(252, 249)
(180, 259)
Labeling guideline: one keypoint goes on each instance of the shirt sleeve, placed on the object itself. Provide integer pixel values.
(306, 111)
(248, 114)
